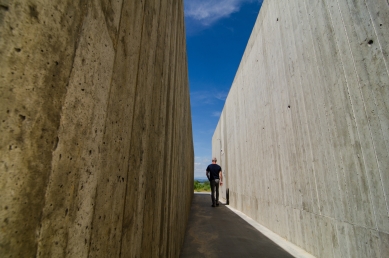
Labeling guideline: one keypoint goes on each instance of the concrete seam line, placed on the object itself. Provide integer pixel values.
(281, 242)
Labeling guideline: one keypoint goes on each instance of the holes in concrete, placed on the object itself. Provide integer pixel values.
(370, 42)
(18, 49)
(55, 144)
(277, 19)
(33, 11)
(288, 106)
(22, 117)
(66, 212)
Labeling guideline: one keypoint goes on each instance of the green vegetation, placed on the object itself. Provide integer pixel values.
(202, 187)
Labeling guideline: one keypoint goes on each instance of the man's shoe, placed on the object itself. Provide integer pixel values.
(213, 205)
(217, 204)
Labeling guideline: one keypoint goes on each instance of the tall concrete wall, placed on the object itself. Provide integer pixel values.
(305, 129)
(96, 152)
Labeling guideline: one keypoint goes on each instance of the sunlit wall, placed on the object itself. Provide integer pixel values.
(304, 133)
(96, 131)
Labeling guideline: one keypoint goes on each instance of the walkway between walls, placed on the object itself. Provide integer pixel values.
(221, 232)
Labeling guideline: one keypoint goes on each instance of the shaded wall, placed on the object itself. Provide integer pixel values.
(95, 128)
(305, 128)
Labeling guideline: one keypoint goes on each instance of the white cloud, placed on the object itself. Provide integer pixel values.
(222, 95)
(209, 11)
(201, 164)
(206, 97)
(216, 114)
(201, 97)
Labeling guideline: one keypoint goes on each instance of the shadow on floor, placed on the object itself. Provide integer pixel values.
(219, 232)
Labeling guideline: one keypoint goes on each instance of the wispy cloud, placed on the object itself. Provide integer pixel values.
(221, 95)
(207, 12)
(216, 114)
(207, 97)
(201, 164)
(202, 97)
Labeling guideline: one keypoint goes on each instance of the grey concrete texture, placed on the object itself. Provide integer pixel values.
(303, 138)
(96, 131)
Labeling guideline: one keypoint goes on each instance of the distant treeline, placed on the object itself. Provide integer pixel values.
(202, 186)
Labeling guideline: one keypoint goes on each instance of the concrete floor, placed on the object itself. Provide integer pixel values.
(219, 232)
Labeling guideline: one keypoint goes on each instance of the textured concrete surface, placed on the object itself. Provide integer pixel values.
(95, 129)
(303, 138)
(219, 232)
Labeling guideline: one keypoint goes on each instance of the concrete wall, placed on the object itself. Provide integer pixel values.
(95, 128)
(305, 128)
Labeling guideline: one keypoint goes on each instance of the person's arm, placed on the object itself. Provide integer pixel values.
(221, 177)
(207, 173)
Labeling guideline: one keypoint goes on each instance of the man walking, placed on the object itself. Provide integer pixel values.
(215, 176)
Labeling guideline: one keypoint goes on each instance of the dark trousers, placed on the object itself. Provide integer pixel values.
(215, 186)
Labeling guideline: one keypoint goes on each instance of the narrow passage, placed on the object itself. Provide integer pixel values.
(219, 232)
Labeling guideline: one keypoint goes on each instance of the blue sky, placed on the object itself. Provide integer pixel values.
(217, 32)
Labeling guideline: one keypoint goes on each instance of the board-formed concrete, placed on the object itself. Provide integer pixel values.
(304, 135)
(96, 151)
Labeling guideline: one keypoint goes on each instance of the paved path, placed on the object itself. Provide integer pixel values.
(219, 232)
